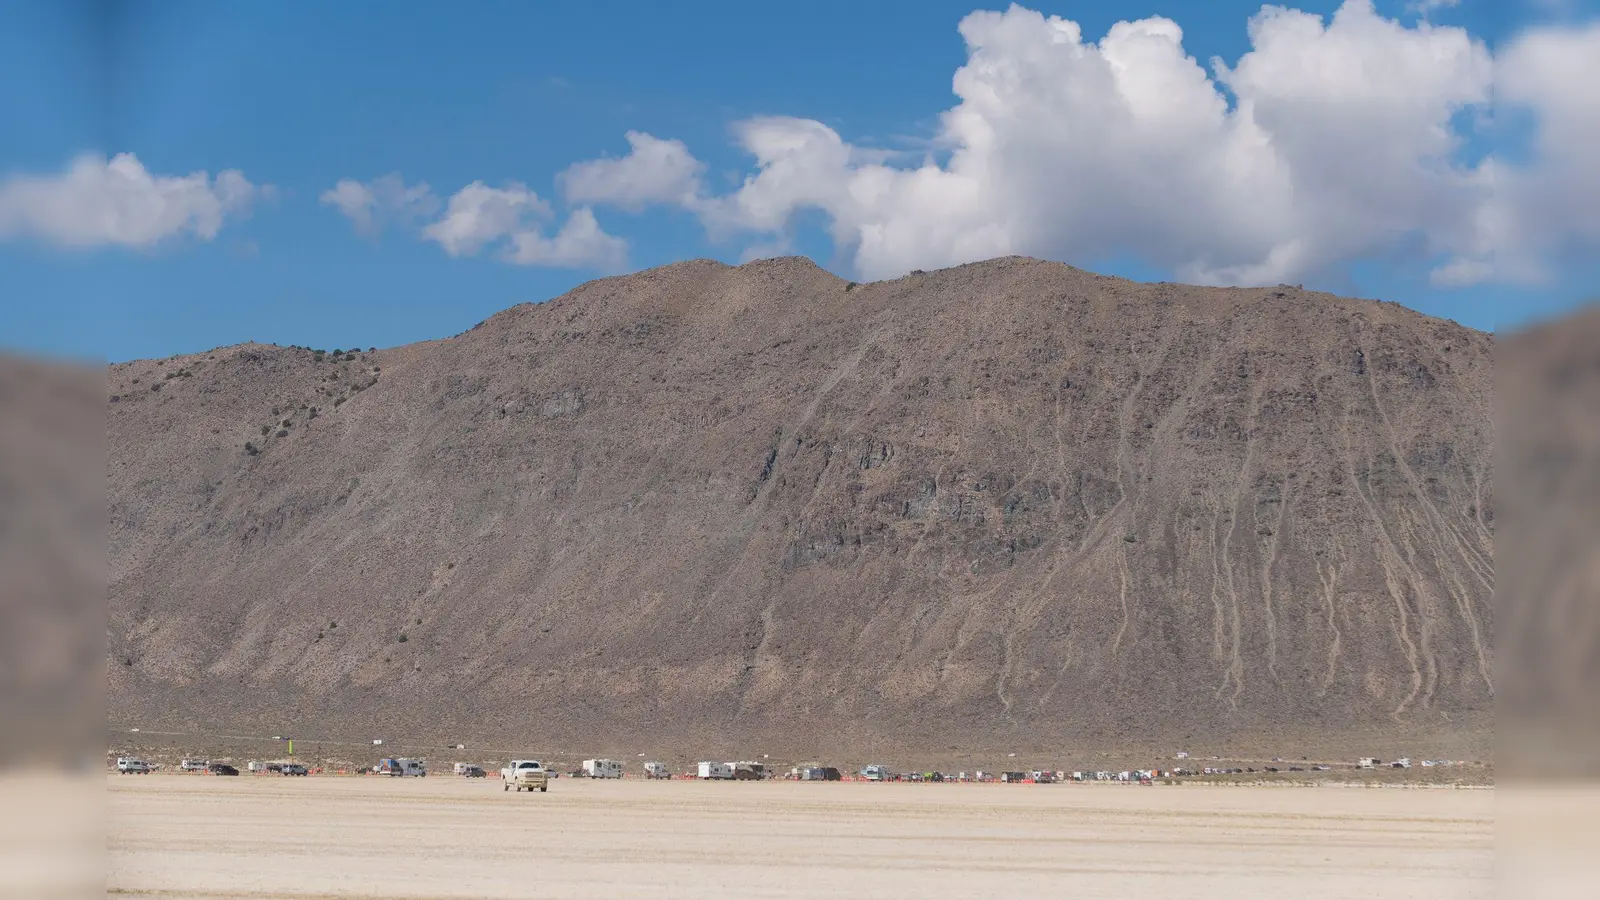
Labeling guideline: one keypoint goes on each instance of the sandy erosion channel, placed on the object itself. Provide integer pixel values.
(271, 837)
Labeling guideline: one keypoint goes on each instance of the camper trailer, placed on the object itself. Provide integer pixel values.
(715, 771)
(602, 768)
(402, 768)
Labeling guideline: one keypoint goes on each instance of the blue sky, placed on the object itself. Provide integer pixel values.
(298, 96)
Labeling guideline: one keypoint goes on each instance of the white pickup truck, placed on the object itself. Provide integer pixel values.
(525, 775)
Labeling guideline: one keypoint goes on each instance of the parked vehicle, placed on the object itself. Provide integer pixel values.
(132, 765)
(656, 770)
(256, 766)
(194, 765)
(877, 773)
(294, 769)
(221, 769)
(473, 772)
(748, 771)
(819, 773)
(525, 775)
(602, 768)
(715, 771)
(402, 768)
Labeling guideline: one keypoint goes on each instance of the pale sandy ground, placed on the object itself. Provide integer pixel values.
(269, 837)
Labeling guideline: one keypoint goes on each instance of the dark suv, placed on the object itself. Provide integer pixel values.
(221, 769)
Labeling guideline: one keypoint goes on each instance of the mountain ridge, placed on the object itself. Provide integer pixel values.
(1006, 500)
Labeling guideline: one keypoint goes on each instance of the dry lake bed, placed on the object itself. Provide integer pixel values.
(321, 837)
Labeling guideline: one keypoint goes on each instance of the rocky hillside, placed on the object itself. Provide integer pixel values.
(759, 506)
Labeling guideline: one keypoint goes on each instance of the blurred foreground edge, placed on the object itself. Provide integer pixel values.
(1547, 608)
(52, 629)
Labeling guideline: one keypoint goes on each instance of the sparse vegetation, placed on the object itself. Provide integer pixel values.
(403, 637)
(283, 432)
(250, 448)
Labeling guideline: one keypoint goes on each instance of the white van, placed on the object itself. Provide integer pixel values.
(602, 768)
(132, 765)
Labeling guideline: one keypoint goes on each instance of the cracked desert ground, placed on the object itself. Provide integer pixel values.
(272, 837)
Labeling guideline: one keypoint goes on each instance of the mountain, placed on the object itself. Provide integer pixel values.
(706, 506)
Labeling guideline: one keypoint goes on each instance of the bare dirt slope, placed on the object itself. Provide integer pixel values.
(707, 506)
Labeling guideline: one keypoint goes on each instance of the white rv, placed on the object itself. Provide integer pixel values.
(194, 765)
(876, 773)
(656, 770)
(715, 771)
(403, 768)
(602, 768)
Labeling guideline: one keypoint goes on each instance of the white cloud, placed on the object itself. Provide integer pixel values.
(580, 244)
(479, 215)
(1329, 141)
(99, 202)
(1424, 7)
(369, 205)
(654, 171)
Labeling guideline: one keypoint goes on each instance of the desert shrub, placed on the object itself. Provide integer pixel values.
(403, 637)
(266, 430)
(283, 432)
(250, 448)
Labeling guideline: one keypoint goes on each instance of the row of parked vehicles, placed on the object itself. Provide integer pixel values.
(133, 765)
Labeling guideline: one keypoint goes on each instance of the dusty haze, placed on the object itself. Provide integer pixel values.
(726, 508)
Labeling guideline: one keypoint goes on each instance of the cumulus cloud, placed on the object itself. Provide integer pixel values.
(654, 171)
(581, 243)
(1330, 140)
(1549, 207)
(369, 205)
(118, 202)
(478, 216)
(1424, 7)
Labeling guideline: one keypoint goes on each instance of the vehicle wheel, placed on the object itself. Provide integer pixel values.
(505, 787)
(544, 789)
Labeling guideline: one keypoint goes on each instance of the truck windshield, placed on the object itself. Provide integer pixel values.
(528, 765)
